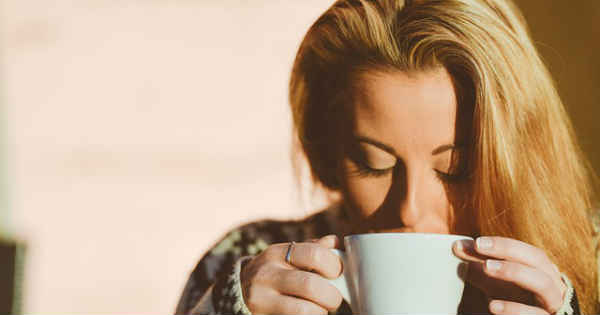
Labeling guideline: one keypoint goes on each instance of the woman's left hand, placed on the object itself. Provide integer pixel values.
(516, 277)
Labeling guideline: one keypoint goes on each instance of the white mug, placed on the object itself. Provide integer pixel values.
(400, 273)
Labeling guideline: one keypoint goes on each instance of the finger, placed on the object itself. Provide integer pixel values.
(260, 299)
(511, 308)
(309, 286)
(531, 279)
(495, 288)
(268, 301)
(518, 251)
(308, 256)
(465, 250)
(514, 250)
(292, 305)
(329, 241)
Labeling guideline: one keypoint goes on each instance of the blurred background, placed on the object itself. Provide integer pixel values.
(135, 133)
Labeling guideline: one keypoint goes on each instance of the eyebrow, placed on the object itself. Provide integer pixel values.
(441, 149)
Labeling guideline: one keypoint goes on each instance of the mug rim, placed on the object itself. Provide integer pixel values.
(394, 234)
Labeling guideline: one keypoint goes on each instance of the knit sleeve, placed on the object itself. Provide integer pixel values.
(570, 304)
(213, 286)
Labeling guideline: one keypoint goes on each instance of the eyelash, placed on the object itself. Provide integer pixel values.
(448, 178)
(365, 171)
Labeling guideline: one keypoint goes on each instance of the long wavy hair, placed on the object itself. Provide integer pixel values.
(528, 179)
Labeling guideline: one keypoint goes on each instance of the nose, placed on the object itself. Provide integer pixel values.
(410, 204)
(407, 201)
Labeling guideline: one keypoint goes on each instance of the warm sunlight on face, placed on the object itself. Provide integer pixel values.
(399, 158)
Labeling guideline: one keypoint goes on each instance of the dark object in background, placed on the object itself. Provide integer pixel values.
(11, 275)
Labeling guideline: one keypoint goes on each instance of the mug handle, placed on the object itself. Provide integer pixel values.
(341, 282)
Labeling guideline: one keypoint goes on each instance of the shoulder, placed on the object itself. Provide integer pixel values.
(248, 240)
(253, 237)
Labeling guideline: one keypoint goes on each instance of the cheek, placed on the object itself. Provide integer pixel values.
(367, 194)
(434, 200)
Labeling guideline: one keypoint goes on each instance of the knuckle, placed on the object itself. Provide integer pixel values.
(270, 252)
(516, 273)
(263, 273)
(313, 254)
(252, 298)
(256, 275)
(555, 268)
(554, 309)
(336, 268)
(308, 309)
(548, 284)
(556, 304)
(248, 273)
(322, 311)
(336, 301)
(541, 255)
(307, 283)
(300, 308)
(339, 299)
(508, 271)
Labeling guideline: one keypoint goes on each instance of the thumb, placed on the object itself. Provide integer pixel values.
(328, 241)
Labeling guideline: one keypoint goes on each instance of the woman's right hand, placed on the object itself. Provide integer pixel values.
(272, 286)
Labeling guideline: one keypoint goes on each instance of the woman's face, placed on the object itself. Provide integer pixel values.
(397, 165)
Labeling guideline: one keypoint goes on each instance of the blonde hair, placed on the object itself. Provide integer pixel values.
(528, 178)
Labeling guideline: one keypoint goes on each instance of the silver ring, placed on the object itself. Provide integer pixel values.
(288, 255)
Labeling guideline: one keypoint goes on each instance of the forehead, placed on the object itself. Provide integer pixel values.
(408, 111)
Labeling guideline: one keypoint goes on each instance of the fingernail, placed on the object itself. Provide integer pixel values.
(492, 265)
(496, 306)
(484, 242)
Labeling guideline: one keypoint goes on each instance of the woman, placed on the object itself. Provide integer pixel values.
(432, 116)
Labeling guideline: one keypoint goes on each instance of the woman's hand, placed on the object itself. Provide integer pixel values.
(272, 286)
(516, 277)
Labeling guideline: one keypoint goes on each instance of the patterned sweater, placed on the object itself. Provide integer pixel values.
(214, 285)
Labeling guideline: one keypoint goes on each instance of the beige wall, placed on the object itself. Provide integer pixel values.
(139, 131)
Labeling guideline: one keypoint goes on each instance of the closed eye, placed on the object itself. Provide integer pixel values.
(364, 170)
(449, 178)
